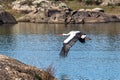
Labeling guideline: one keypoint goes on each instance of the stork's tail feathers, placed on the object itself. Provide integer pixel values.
(64, 51)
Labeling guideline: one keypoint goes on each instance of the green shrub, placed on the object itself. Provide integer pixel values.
(87, 2)
(91, 2)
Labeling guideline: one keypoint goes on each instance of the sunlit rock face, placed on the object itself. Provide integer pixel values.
(33, 5)
(12, 69)
(6, 17)
(45, 11)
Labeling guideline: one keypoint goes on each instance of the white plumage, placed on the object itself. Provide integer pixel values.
(73, 36)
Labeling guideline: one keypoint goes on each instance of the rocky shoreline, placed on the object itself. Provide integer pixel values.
(59, 12)
(12, 69)
(68, 17)
(44, 11)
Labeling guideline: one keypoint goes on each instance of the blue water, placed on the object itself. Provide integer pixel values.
(39, 45)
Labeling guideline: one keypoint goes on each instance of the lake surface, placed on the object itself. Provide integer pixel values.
(39, 45)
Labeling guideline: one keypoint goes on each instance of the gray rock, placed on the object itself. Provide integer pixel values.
(6, 18)
(118, 16)
(98, 10)
(12, 69)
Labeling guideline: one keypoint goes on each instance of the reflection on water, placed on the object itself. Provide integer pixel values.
(32, 28)
(39, 45)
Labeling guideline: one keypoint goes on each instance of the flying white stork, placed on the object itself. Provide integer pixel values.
(73, 36)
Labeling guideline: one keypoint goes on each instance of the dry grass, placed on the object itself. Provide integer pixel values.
(49, 72)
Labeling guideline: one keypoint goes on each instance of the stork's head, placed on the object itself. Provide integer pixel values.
(82, 37)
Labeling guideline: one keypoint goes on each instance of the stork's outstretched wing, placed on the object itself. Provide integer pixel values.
(66, 46)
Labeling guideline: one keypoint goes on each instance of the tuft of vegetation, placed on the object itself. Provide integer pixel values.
(50, 72)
